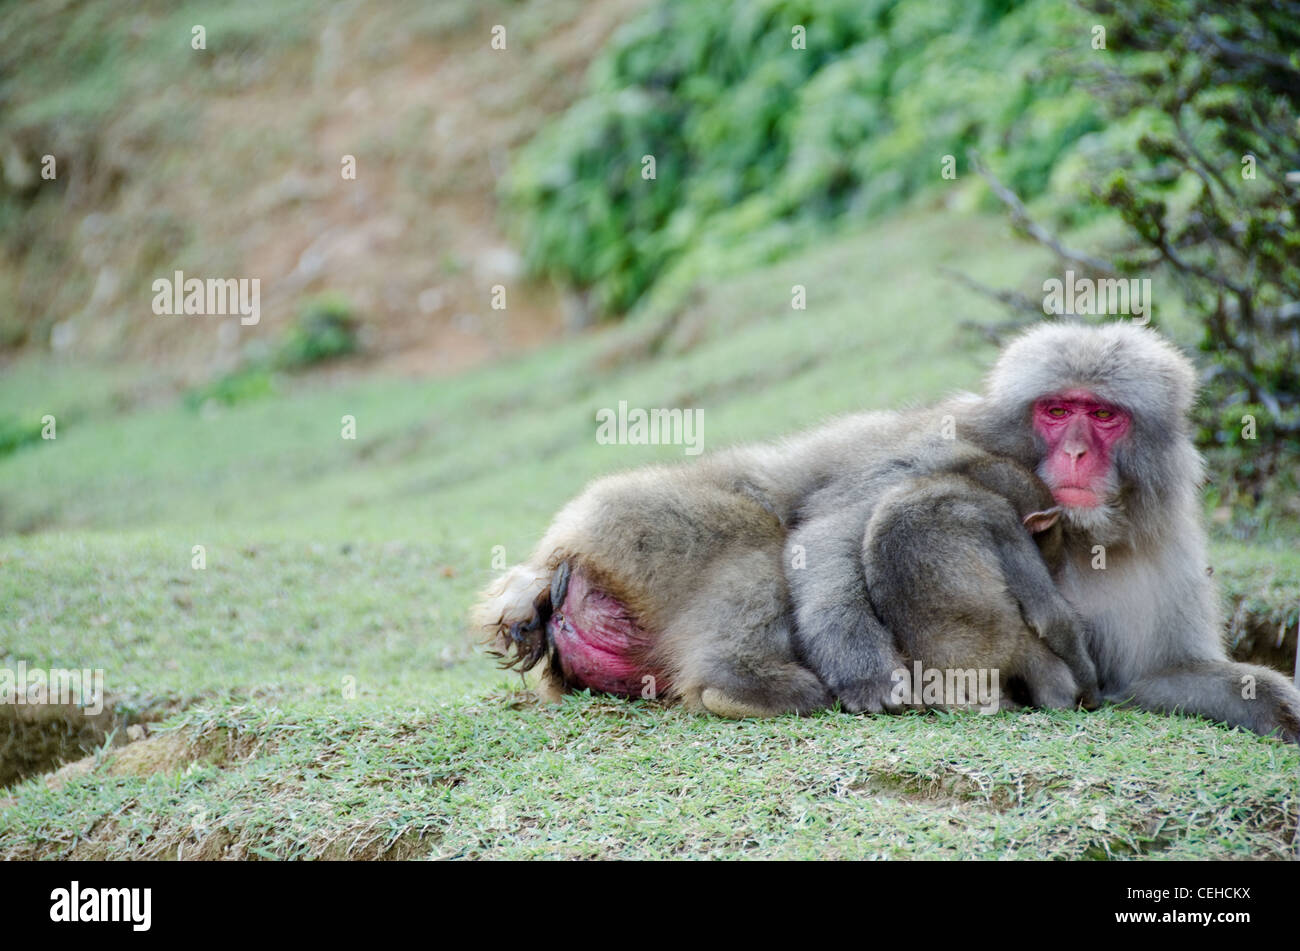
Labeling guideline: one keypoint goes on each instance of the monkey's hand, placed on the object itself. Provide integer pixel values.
(1052, 619)
(876, 691)
(845, 644)
(1064, 636)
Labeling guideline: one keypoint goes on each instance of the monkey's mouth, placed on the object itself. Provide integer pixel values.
(1076, 497)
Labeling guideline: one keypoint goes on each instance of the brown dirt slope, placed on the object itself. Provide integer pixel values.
(237, 173)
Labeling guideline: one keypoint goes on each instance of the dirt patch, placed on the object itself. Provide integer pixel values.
(1256, 639)
(42, 738)
(255, 188)
(144, 755)
(192, 835)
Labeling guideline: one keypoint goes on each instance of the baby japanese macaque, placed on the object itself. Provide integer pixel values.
(958, 566)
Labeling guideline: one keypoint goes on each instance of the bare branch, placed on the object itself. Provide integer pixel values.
(1011, 300)
(1020, 217)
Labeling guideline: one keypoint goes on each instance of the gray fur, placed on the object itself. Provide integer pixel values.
(1152, 613)
(700, 553)
(932, 544)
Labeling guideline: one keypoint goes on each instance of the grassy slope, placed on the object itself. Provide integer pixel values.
(330, 559)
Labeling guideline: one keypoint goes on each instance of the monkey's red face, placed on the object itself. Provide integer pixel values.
(1081, 432)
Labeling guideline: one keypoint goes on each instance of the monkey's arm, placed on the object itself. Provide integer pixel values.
(1158, 618)
(1044, 609)
(1257, 698)
(837, 632)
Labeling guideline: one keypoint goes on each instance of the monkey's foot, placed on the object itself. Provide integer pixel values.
(599, 644)
(878, 694)
(723, 705)
(779, 689)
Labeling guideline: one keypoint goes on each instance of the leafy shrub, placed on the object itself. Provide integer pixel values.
(759, 146)
(16, 433)
(1205, 195)
(1198, 160)
(326, 329)
(238, 386)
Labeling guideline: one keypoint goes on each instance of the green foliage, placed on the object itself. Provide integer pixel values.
(326, 329)
(238, 386)
(16, 433)
(1204, 98)
(759, 145)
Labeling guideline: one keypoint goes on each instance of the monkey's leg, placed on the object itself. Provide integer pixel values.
(1245, 695)
(752, 676)
(731, 645)
(836, 632)
(1046, 612)
(1049, 682)
(740, 685)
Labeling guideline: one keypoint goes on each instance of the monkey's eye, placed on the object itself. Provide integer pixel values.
(1057, 412)
(1103, 414)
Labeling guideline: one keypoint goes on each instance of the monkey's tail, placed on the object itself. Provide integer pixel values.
(514, 610)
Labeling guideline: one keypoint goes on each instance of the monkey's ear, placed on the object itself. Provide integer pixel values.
(1041, 521)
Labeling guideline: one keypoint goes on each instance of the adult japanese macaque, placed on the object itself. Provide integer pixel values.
(1103, 414)
(672, 581)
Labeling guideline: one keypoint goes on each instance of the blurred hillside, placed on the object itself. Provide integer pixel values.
(226, 161)
(714, 136)
(769, 122)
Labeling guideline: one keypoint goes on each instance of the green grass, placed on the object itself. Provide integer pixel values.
(333, 564)
(489, 776)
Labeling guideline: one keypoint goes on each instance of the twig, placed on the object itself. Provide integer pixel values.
(1020, 216)
(1012, 300)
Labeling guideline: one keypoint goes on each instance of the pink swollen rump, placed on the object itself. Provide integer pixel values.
(600, 645)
